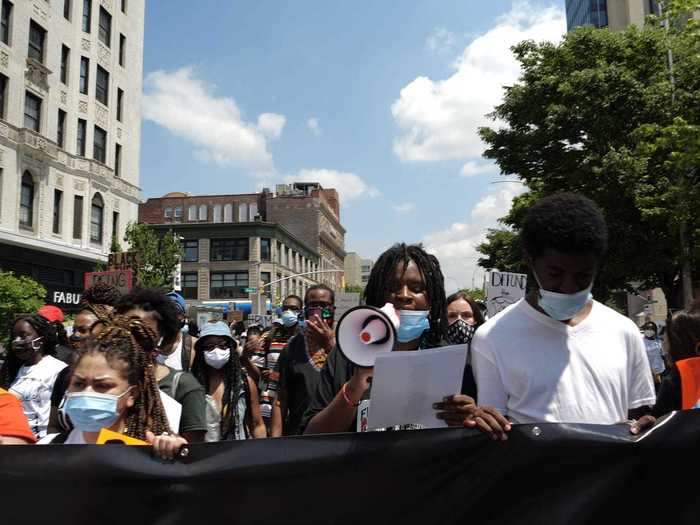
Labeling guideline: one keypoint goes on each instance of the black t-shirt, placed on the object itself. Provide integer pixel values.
(60, 386)
(337, 371)
(300, 379)
(670, 396)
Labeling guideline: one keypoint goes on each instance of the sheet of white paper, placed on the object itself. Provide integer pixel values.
(406, 384)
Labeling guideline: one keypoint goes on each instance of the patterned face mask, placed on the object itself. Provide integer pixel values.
(460, 332)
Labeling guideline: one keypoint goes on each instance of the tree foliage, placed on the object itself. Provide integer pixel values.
(600, 114)
(158, 257)
(18, 295)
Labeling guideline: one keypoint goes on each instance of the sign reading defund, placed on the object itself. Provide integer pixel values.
(504, 289)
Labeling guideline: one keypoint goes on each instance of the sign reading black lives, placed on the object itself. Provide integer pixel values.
(544, 474)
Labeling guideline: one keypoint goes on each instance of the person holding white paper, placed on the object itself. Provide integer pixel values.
(411, 280)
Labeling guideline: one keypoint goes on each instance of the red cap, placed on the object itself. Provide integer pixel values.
(51, 313)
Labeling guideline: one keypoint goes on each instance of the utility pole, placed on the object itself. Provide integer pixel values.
(686, 270)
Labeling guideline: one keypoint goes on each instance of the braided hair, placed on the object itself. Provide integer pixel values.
(130, 341)
(234, 384)
(45, 329)
(100, 300)
(382, 281)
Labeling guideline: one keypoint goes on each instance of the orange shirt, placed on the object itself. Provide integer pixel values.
(13, 422)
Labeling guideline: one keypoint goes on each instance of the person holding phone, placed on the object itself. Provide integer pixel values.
(300, 363)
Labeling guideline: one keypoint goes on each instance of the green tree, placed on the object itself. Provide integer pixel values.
(354, 289)
(475, 293)
(598, 114)
(158, 257)
(18, 295)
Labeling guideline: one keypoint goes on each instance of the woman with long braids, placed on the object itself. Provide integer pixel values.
(233, 406)
(96, 309)
(411, 280)
(30, 369)
(113, 386)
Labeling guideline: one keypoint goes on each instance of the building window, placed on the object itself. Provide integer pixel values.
(61, 129)
(96, 218)
(177, 212)
(102, 86)
(105, 27)
(192, 213)
(87, 15)
(265, 278)
(191, 250)
(120, 102)
(3, 95)
(26, 202)
(217, 213)
(122, 50)
(243, 212)
(99, 149)
(115, 226)
(228, 212)
(65, 61)
(66, 9)
(168, 213)
(252, 211)
(78, 217)
(229, 250)
(82, 131)
(118, 160)
(37, 36)
(6, 21)
(84, 75)
(228, 285)
(32, 112)
(202, 212)
(57, 199)
(265, 250)
(189, 285)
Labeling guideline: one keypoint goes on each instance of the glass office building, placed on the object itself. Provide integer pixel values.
(586, 13)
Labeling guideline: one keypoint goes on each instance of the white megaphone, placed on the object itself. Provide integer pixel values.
(365, 332)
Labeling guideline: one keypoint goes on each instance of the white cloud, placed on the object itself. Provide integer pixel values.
(312, 124)
(455, 246)
(438, 119)
(406, 207)
(349, 185)
(441, 41)
(187, 107)
(472, 169)
(271, 124)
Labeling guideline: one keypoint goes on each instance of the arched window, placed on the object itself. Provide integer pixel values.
(243, 212)
(26, 201)
(96, 218)
(202, 212)
(192, 213)
(228, 213)
(217, 213)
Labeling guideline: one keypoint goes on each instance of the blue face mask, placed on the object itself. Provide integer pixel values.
(562, 306)
(412, 324)
(91, 411)
(289, 318)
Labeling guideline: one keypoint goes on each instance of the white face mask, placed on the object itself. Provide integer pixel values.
(563, 306)
(218, 357)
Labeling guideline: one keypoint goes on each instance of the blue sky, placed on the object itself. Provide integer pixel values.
(378, 99)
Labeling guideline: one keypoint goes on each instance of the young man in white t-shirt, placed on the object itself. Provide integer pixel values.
(558, 355)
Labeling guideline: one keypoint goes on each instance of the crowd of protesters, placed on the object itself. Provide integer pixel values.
(136, 365)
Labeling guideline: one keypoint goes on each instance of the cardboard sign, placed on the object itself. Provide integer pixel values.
(234, 316)
(123, 260)
(504, 289)
(122, 280)
(108, 437)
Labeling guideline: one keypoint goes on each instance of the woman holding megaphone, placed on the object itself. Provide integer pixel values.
(409, 279)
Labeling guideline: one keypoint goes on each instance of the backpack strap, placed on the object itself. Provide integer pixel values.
(186, 352)
(176, 383)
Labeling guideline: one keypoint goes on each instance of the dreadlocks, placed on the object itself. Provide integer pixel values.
(100, 300)
(131, 342)
(45, 329)
(234, 384)
(382, 279)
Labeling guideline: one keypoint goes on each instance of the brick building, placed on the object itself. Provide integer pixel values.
(244, 241)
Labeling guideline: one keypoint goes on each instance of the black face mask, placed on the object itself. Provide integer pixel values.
(460, 332)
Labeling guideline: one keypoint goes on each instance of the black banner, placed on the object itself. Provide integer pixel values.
(544, 474)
